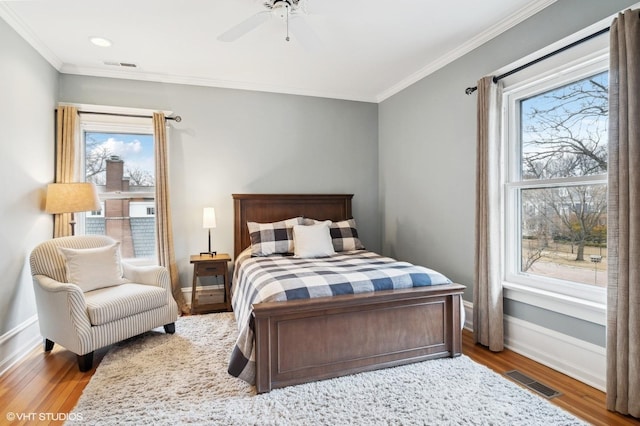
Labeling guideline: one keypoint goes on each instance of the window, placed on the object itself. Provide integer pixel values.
(119, 159)
(556, 181)
(97, 213)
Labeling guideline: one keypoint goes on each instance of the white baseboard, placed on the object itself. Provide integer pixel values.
(468, 315)
(576, 358)
(18, 342)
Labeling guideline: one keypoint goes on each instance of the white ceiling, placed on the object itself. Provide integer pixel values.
(368, 50)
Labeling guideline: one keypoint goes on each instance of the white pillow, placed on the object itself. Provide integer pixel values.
(312, 240)
(93, 268)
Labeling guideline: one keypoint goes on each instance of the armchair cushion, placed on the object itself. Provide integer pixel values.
(112, 303)
(93, 268)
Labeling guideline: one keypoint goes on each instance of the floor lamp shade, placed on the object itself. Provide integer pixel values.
(71, 198)
(208, 222)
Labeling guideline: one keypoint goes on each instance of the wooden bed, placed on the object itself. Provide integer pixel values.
(300, 341)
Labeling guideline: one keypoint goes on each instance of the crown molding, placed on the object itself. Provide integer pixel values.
(141, 75)
(494, 31)
(23, 30)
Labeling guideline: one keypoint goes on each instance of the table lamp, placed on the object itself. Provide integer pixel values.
(208, 222)
(71, 198)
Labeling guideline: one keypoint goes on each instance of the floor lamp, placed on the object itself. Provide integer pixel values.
(208, 222)
(71, 198)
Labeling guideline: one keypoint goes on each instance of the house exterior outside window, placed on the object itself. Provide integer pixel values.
(119, 159)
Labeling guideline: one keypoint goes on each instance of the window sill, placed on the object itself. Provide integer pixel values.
(566, 305)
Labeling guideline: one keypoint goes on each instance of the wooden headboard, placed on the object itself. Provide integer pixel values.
(266, 208)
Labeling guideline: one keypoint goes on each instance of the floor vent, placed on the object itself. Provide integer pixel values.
(532, 384)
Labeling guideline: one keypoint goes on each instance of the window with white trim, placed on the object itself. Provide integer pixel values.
(555, 189)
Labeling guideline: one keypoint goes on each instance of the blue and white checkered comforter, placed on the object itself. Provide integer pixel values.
(281, 278)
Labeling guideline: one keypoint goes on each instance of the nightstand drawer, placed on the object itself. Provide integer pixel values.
(207, 269)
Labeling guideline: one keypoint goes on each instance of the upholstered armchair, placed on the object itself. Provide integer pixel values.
(87, 298)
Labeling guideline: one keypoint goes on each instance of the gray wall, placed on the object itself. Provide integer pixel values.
(28, 92)
(410, 161)
(427, 153)
(234, 141)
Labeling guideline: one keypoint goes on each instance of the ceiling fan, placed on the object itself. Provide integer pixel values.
(289, 11)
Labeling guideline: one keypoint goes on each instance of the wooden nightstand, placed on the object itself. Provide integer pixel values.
(208, 266)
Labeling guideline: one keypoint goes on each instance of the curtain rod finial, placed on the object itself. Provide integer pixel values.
(470, 90)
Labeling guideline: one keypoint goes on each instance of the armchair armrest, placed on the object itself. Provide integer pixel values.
(52, 286)
(149, 275)
(62, 313)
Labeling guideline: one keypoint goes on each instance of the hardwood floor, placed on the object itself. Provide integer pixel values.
(43, 388)
(582, 400)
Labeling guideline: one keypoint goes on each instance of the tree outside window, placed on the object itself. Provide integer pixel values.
(563, 159)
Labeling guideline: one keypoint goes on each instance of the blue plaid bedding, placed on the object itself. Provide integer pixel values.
(281, 278)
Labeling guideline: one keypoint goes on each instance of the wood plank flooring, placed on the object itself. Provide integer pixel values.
(582, 400)
(42, 388)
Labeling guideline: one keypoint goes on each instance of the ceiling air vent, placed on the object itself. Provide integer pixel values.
(120, 64)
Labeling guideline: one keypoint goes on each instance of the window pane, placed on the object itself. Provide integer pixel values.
(564, 131)
(564, 233)
(122, 167)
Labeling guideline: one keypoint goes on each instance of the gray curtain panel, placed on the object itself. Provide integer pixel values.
(487, 286)
(623, 217)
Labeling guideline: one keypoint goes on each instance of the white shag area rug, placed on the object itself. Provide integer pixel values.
(160, 379)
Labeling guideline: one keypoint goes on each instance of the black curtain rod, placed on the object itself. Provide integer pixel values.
(470, 90)
(177, 118)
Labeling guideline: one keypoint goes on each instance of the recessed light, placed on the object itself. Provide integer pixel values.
(99, 41)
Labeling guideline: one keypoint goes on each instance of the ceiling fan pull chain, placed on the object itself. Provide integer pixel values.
(287, 6)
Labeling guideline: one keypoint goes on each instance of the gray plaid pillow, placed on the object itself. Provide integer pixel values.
(272, 238)
(344, 234)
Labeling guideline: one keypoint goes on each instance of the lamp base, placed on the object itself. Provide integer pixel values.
(210, 252)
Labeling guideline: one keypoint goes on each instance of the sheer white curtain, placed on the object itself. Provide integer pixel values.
(623, 217)
(487, 289)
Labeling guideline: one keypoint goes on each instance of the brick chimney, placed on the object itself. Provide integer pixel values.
(115, 171)
(117, 223)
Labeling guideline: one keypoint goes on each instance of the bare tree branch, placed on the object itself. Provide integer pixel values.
(565, 135)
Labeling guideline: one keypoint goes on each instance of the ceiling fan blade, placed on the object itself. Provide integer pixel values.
(249, 24)
(304, 33)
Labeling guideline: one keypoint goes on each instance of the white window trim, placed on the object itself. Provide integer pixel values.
(543, 292)
(594, 312)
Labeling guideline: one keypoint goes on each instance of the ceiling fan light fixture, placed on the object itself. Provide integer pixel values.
(286, 10)
(280, 8)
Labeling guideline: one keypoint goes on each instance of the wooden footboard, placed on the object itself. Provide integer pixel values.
(306, 340)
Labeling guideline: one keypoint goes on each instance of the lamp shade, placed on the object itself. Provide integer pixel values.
(209, 217)
(71, 197)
